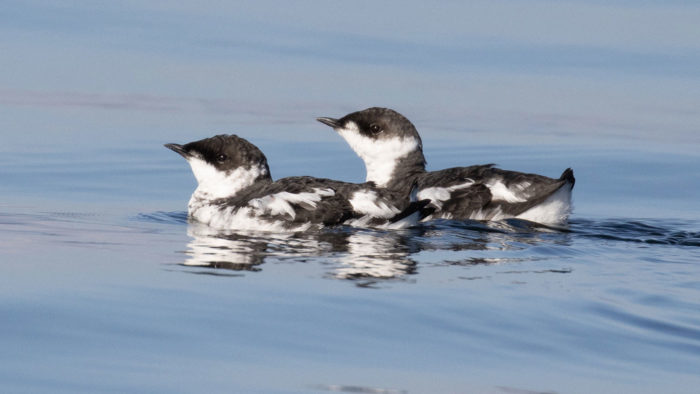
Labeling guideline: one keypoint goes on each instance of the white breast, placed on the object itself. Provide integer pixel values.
(213, 183)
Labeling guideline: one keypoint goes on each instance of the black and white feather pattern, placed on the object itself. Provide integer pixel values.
(392, 151)
(235, 191)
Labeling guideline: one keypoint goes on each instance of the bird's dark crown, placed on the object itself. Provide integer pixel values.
(226, 152)
(381, 123)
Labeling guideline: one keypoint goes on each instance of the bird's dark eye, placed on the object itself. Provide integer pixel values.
(375, 128)
(221, 158)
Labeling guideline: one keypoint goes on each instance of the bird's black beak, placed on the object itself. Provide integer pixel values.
(329, 122)
(177, 148)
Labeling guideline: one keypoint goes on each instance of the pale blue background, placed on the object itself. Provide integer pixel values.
(568, 72)
(93, 293)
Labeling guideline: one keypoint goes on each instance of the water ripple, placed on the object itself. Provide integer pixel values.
(656, 232)
(366, 255)
(657, 325)
(175, 217)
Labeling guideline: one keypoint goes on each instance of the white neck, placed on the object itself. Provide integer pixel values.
(214, 184)
(380, 156)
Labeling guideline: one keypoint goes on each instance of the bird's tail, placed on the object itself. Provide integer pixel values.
(568, 176)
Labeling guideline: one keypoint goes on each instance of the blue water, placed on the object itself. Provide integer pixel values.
(106, 287)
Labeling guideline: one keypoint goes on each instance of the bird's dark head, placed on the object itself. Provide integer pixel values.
(223, 163)
(381, 137)
(374, 123)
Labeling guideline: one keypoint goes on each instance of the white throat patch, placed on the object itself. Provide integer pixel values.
(380, 156)
(214, 183)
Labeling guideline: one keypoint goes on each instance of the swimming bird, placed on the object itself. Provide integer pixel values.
(392, 151)
(235, 191)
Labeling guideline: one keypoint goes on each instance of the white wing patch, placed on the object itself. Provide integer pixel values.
(554, 210)
(281, 203)
(500, 192)
(438, 195)
(489, 214)
(368, 203)
(255, 215)
(242, 218)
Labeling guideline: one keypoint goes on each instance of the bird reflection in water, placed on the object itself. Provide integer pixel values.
(210, 248)
(355, 254)
(377, 255)
(369, 256)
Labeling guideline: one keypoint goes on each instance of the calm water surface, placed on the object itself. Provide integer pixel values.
(106, 287)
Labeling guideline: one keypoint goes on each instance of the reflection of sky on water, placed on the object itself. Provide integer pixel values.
(554, 71)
